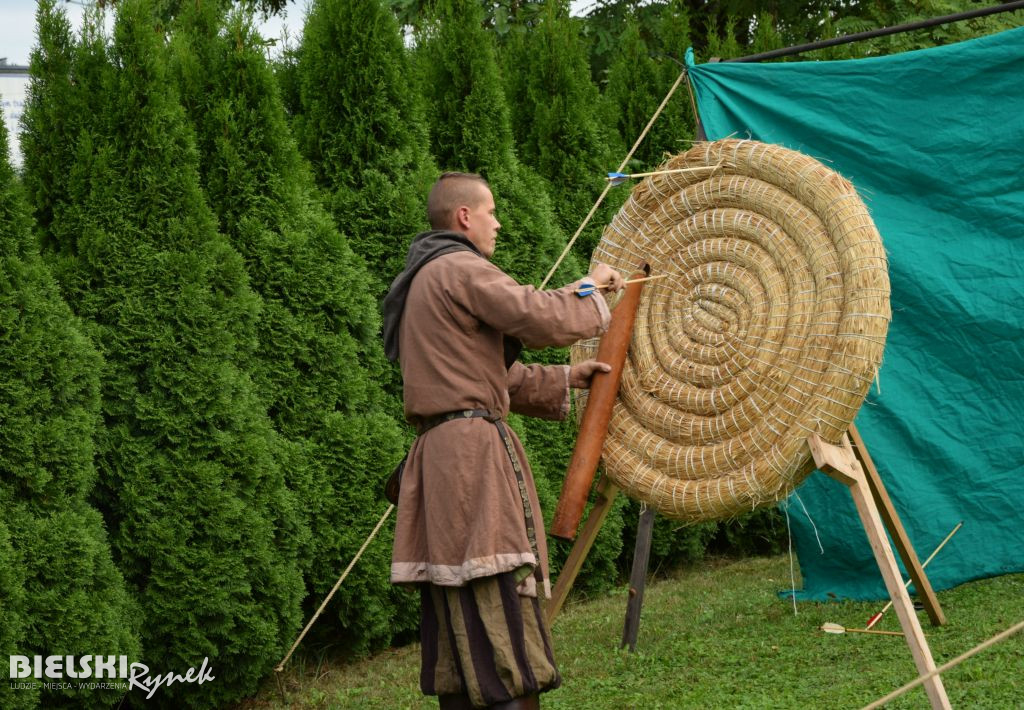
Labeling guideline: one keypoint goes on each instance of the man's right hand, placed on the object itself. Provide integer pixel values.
(604, 275)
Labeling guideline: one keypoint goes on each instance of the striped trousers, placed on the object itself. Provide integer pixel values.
(485, 641)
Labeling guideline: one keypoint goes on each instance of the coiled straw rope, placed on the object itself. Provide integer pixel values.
(769, 326)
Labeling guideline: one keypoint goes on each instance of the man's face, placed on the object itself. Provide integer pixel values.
(481, 226)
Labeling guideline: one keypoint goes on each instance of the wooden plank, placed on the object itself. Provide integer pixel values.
(901, 598)
(872, 522)
(638, 579)
(832, 459)
(606, 492)
(892, 522)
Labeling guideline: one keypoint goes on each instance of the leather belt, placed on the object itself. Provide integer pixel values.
(429, 423)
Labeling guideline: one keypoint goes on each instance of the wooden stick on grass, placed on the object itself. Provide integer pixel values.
(946, 666)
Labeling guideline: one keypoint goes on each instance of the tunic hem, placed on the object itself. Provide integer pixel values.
(459, 575)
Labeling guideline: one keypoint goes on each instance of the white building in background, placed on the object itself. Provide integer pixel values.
(13, 92)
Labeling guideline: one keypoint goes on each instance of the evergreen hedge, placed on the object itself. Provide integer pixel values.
(471, 131)
(365, 137)
(202, 525)
(319, 322)
(641, 73)
(13, 619)
(60, 593)
(556, 120)
(62, 97)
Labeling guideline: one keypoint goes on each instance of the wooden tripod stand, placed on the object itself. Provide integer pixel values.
(606, 492)
(843, 464)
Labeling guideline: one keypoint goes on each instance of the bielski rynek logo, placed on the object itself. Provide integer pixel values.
(96, 673)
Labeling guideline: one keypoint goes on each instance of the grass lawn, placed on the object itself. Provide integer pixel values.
(717, 636)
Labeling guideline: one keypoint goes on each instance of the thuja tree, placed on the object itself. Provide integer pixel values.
(721, 39)
(360, 124)
(13, 623)
(201, 523)
(558, 129)
(641, 73)
(61, 593)
(471, 130)
(62, 98)
(319, 358)
(766, 35)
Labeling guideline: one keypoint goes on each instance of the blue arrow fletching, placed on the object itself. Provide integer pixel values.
(617, 178)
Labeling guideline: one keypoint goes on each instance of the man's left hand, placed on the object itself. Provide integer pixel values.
(580, 375)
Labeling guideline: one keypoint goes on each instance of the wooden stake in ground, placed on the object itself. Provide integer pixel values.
(606, 493)
(638, 578)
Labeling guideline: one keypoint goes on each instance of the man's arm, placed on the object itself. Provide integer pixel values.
(543, 390)
(538, 318)
(539, 390)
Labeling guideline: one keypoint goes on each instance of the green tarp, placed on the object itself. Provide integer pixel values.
(934, 142)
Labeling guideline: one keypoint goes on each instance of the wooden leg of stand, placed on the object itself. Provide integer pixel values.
(896, 530)
(606, 492)
(841, 464)
(638, 579)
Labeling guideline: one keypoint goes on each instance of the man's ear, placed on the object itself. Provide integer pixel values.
(462, 217)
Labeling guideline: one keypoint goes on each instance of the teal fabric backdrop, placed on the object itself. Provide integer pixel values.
(934, 142)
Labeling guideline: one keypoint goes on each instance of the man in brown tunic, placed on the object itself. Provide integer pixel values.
(469, 529)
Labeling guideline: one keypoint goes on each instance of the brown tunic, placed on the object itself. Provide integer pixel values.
(460, 511)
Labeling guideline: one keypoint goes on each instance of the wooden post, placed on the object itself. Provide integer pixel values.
(896, 530)
(606, 492)
(604, 388)
(638, 579)
(841, 464)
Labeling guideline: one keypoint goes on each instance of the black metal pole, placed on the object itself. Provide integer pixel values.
(638, 579)
(881, 32)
